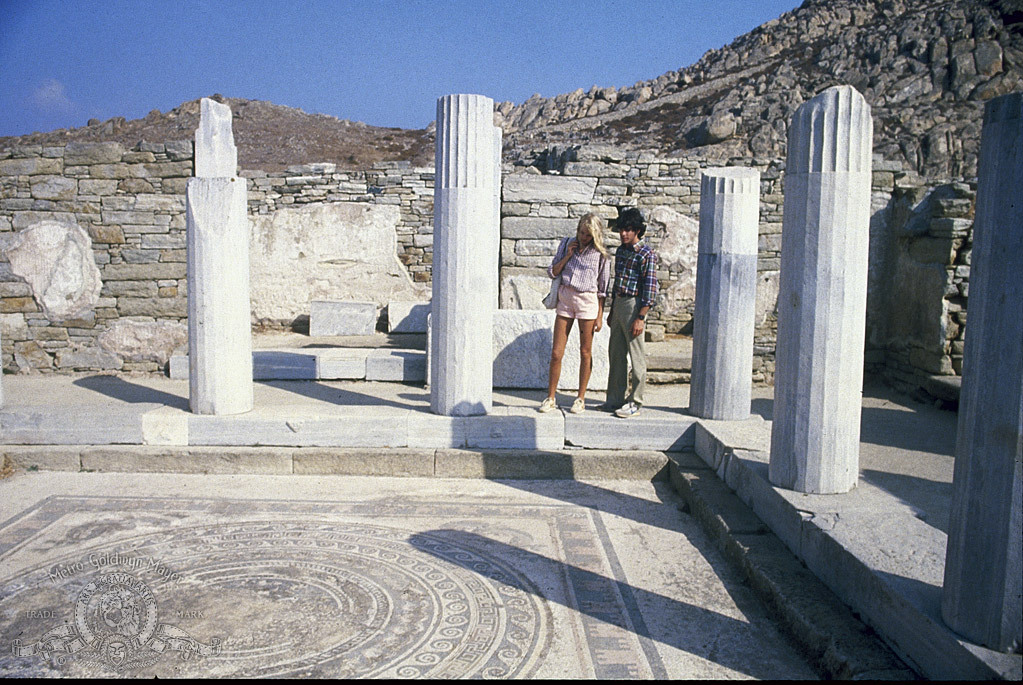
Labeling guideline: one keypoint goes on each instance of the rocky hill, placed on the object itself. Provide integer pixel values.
(925, 66)
(268, 136)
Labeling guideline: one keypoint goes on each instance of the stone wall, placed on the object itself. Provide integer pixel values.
(125, 308)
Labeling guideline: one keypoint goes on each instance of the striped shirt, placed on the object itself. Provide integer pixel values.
(634, 274)
(587, 271)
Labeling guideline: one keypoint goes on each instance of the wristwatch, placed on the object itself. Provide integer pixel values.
(641, 317)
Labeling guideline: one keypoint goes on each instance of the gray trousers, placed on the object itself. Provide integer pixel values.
(623, 312)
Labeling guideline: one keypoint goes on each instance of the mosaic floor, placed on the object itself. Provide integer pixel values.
(386, 578)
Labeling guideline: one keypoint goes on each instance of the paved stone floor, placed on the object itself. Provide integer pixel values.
(187, 575)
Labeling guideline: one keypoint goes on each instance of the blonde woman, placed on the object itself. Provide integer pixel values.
(582, 263)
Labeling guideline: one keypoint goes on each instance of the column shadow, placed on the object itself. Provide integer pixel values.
(132, 393)
(614, 602)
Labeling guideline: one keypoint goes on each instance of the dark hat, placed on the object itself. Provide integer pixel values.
(631, 218)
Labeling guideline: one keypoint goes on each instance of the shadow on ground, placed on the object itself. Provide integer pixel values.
(133, 393)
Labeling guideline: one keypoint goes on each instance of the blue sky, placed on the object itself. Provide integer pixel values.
(384, 63)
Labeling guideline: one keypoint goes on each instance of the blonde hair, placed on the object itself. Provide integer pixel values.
(595, 225)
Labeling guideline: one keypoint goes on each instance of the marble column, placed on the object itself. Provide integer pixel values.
(726, 293)
(822, 297)
(981, 592)
(219, 329)
(498, 141)
(466, 235)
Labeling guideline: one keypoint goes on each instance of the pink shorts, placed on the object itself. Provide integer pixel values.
(576, 305)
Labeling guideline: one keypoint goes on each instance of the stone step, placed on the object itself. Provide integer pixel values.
(379, 426)
(381, 364)
(355, 461)
(327, 363)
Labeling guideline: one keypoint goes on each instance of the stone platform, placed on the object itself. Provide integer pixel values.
(879, 548)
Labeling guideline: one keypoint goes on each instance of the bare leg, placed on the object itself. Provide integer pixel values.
(586, 327)
(562, 327)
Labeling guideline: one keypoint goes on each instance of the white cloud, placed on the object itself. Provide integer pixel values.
(51, 97)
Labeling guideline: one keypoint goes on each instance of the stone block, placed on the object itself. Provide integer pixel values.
(165, 426)
(110, 171)
(178, 150)
(138, 341)
(215, 153)
(537, 228)
(549, 464)
(392, 365)
(522, 351)
(365, 462)
(29, 166)
(515, 428)
(340, 364)
(88, 358)
(143, 272)
(523, 288)
(91, 426)
(342, 318)
(651, 430)
(368, 427)
(407, 317)
(157, 307)
(110, 235)
(164, 459)
(177, 367)
(80, 154)
(338, 251)
(599, 169)
(56, 260)
(284, 365)
(427, 430)
(54, 188)
(564, 189)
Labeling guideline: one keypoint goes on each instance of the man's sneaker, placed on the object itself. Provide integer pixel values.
(547, 405)
(631, 409)
(579, 406)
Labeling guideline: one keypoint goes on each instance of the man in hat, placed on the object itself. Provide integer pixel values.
(633, 293)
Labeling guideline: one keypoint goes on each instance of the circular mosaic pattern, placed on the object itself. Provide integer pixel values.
(317, 598)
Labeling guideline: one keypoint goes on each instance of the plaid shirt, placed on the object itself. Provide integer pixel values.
(586, 271)
(634, 274)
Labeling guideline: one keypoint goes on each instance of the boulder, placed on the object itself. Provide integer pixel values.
(57, 262)
(141, 341)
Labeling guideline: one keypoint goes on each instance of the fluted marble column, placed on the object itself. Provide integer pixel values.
(466, 238)
(726, 293)
(822, 298)
(219, 329)
(981, 593)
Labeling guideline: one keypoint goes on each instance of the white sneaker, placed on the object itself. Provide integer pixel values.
(547, 405)
(631, 409)
(579, 406)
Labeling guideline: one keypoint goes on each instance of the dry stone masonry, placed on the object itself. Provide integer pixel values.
(815, 437)
(136, 225)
